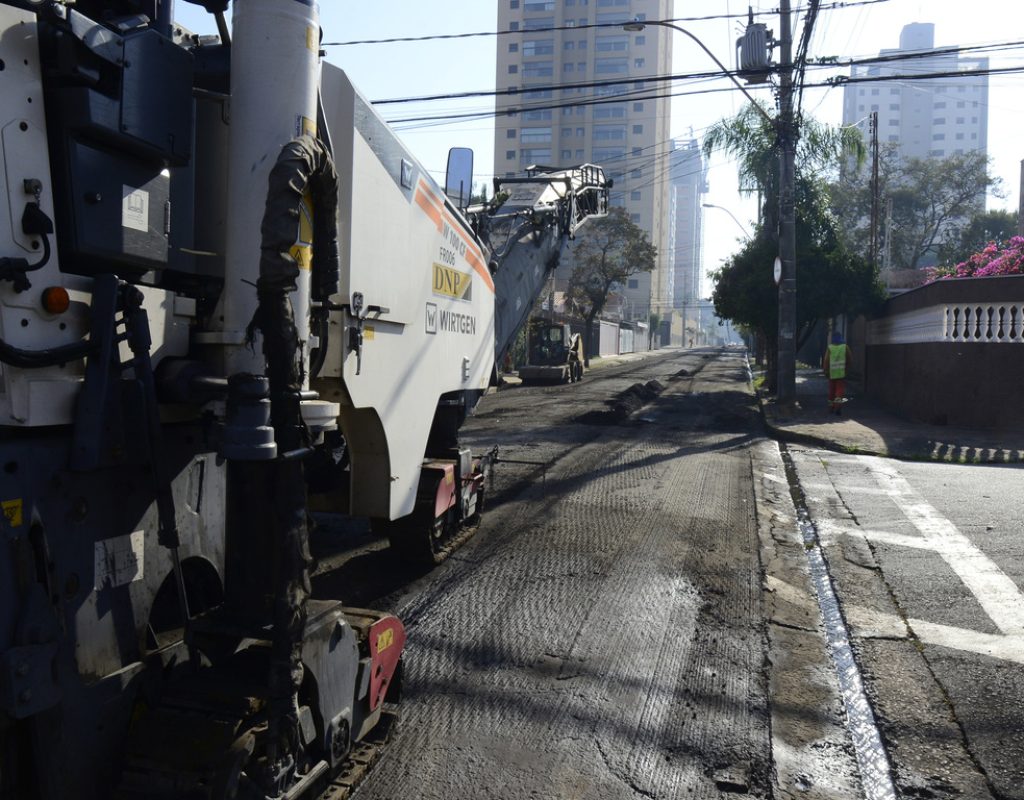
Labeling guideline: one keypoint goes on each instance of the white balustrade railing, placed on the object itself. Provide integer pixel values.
(994, 322)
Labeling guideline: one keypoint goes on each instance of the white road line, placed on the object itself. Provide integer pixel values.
(870, 623)
(829, 528)
(998, 595)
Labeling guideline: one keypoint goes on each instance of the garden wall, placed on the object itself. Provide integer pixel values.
(951, 353)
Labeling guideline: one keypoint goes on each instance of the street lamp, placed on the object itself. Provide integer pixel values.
(727, 211)
(637, 25)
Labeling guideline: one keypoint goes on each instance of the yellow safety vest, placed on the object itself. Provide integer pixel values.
(837, 361)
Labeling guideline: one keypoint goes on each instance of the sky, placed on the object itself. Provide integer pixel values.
(411, 69)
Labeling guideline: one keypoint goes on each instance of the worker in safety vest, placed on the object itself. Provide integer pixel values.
(835, 363)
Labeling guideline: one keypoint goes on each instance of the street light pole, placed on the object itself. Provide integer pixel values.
(787, 132)
(637, 25)
(727, 211)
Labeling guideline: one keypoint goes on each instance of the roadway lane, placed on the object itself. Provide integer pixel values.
(926, 559)
(602, 635)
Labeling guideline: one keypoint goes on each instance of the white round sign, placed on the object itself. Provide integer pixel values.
(778, 270)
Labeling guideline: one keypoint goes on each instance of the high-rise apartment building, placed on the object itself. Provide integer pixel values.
(934, 117)
(688, 173)
(583, 94)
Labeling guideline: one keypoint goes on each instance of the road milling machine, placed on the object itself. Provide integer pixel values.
(225, 287)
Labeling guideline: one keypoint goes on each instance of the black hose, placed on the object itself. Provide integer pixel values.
(50, 357)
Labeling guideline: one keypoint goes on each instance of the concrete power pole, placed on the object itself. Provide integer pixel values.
(787, 132)
(874, 189)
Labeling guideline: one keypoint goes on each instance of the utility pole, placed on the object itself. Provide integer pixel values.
(787, 133)
(874, 189)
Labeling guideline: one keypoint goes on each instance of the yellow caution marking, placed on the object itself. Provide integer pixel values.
(385, 639)
(13, 512)
(368, 332)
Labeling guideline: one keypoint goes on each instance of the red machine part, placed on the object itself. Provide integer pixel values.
(386, 639)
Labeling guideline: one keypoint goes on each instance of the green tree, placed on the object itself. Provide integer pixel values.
(961, 243)
(830, 279)
(750, 137)
(932, 201)
(608, 251)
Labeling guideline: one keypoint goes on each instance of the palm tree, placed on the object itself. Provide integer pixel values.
(752, 139)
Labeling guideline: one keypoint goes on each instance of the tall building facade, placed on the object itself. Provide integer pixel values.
(934, 117)
(581, 93)
(688, 173)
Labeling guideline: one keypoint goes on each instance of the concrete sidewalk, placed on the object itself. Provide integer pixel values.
(867, 428)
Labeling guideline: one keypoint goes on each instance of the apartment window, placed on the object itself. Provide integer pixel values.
(860, 107)
(566, 132)
(874, 106)
(937, 153)
(894, 138)
(959, 136)
(874, 92)
(894, 106)
(960, 120)
(570, 23)
(610, 111)
(974, 136)
(579, 111)
(567, 111)
(570, 3)
(638, 85)
(894, 91)
(510, 174)
(566, 67)
(510, 133)
(581, 45)
(513, 69)
(632, 283)
(513, 3)
(539, 5)
(611, 44)
(581, 66)
(510, 154)
(640, 40)
(513, 26)
(634, 218)
(539, 69)
(535, 135)
(961, 104)
(537, 116)
(514, 47)
(579, 155)
(613, 18)
(961, 89)
(609, 133)
(617, 199)
(566, 155)
(581, 132)
(938, 137)
(537, 94)
(637, 173)
(640, 17)
(538, 23)
(638, 63)
(893, 122)
(583, 20)
(611, 66)
(974, 119)
(634, 195)
(535, 155)
(940, 105)
(602, 154)
(638, 106)
(638, 129)
(637, 151)
(610, 3)
(538, 47)
(569, 45)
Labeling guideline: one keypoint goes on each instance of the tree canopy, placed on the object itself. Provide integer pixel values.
(933, 200)
(830, 279)
(607, 252)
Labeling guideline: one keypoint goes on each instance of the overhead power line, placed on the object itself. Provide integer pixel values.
(476, 34)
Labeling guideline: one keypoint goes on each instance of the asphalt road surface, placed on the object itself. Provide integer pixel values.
(927, 561)
(638, 614)
(601, 636)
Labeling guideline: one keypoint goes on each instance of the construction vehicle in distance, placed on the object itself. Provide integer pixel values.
(554, 353)
(225, 285)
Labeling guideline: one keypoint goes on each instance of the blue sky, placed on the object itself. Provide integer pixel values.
(387, 71)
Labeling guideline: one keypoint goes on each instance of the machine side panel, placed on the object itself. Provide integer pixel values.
(415, 260)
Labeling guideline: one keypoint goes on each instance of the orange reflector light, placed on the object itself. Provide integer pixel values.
(56, 300)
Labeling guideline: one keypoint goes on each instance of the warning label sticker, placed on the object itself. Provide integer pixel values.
(119, 560)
